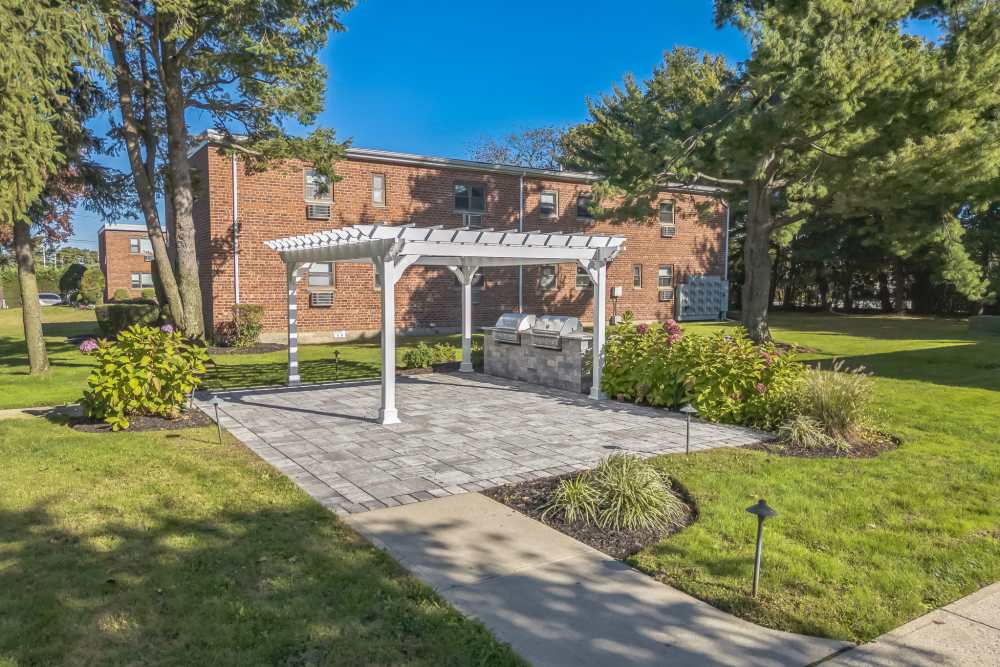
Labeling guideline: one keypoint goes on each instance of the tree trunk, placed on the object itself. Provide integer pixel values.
(883, 292)
(181, 196)
(142, 179)
(823, 284)
(791, 286)
(31, 311)
(899, 287)
(757, 263)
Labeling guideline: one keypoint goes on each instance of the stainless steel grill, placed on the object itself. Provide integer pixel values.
(549, 330)
(510, 326)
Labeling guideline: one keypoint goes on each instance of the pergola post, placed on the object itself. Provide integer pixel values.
(389, 269)
(598, 270)
(293, 327)
(465, 275)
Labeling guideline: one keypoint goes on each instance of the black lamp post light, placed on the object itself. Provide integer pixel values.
(688, 411)
(215, 403)
(762, 511)
(336, 364)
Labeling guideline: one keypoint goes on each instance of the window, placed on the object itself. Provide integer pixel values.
(547, 277)
(376, 279)
(548, 204)
(378, 189)
(665, 282)
(582, 278)
(667, 227)
(470, 197)
(583, 203)
(137, 245)
(317, 187)
(141, 280)
(321, 274)
(637, 276)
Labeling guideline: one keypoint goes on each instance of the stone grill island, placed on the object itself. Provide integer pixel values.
(550, 350)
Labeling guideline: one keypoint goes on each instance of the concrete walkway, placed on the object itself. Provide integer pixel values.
(965, 632)
(560, 603)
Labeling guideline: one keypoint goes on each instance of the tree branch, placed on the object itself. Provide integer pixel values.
(189, 44)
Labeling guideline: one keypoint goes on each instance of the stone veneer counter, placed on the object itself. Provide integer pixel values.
(564, 369)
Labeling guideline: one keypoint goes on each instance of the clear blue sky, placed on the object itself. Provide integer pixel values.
(432, 77)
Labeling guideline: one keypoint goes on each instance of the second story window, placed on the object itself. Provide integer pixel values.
(582, 278)
(378, 189)
(321, 275)
(317, 187)
(583, 203)
(548, 204)
(667, 227)
(137, 245)
(547, 277)
(470, 197)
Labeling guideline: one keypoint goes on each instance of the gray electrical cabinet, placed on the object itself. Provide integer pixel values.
(703, 298)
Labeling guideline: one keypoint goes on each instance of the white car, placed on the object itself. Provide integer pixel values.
(49, 299)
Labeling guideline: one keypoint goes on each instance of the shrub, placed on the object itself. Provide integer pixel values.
(113, 318)
(839, 400)
(624, 492)
(145, 371)
(804, 432)
(725, 376)
(121, 294)
(69, 281)
(425, 356)
(248, 323)
(148, 293)
(92, 285)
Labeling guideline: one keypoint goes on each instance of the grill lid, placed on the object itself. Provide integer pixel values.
(518, 322)
(555, 325)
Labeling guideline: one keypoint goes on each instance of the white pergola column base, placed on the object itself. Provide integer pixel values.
(465, 275)
(389, 268)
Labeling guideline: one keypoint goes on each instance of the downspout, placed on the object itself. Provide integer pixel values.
(725, 246)
(236, 231)
(520, 228)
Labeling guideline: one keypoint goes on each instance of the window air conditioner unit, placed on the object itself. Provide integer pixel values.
(321, 299)
(667, 231)
(472, 219)
(317, 211)
(667, 294)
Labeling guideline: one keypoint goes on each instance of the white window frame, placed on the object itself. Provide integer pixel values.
(135, 280)
(663, 288)
(554, 213)
(468, 185)
(555, 277)
(309, 190)
(668, 228)
(637, 276)
(581, 274)
(330, 276)
(376, 200)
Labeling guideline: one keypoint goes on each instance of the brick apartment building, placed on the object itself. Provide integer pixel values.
(687, 238)
(125, 255)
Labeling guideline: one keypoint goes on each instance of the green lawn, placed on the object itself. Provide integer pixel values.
(170, 549)
(859, 546)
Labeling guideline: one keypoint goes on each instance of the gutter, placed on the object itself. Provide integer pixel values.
(520, 228)
(725, 246)
(236, 230)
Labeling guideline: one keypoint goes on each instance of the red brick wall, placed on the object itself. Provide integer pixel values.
(271, 205)
(118, 263)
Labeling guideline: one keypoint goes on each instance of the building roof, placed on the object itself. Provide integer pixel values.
(414, 159)
(121, 227)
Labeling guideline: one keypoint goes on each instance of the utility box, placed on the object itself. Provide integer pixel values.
(703, 298)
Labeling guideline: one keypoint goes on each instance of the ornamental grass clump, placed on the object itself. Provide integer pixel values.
(624, 492)
(838, 400)
(144, 371)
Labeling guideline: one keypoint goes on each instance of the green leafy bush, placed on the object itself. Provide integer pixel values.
(624, 492)
(425, 356)
(121, 294)
(113, 318)
(839, 400)
(145, 371)
(725, 376)
(92, 285)
(149, 293)
(245, 328)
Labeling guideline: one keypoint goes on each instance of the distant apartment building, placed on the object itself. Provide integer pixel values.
(125, 256)
(685, 240)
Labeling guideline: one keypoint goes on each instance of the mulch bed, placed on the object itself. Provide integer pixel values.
(530, 499)
(188, 419)
(858, 450)
(259, 348)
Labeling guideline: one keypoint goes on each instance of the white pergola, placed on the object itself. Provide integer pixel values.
(394, 248)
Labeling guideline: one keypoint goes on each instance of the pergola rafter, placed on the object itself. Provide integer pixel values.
(394, 248)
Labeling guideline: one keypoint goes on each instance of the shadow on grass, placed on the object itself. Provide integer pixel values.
(265, 374)
(282, 585)
(882, 327)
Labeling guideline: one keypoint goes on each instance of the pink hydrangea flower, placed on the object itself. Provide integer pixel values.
(642, 328)
(761, 387)
(167, 328)
(88, 346)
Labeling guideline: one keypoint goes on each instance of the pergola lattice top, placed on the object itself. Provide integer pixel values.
(445, 247)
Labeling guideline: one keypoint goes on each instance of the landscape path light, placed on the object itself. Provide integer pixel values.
(336, 364)
(216, 402)
(688, 411)
(762, 511)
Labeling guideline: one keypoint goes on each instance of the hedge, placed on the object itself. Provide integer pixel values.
(113, 318)
(985, 324)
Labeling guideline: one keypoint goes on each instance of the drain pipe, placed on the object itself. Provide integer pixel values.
(725, 246)
(520, 228)
(236, 230)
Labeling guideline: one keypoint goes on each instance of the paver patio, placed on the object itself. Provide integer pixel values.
(460, 433)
